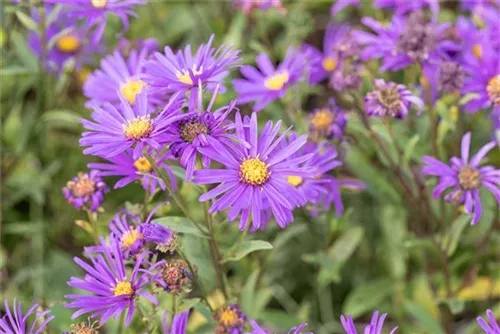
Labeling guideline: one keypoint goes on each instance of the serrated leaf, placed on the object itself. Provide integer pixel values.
(180, 225)
(367, 297)
(246, 248)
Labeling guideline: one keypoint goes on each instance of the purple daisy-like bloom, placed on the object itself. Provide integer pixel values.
(95, 12)
(465, 178)
(178, 325)
(254, 177)
(15, 322)
(341, 4)
(230, 319)
(249, 5)
(256, 329)
(375, 327)
(268, 83)
(484, 80)
(86, 190)
(405, 7)
(194, 131)
(116, 130)
(119, 76)
(390, 99)
(182, 72)
(130, 170)
(492, 327)
(337, 45)
(328, 122)
(113, 289)
(125, 229)
(407, 40)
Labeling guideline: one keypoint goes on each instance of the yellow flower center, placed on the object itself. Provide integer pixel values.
(131, 89)
(228, 317)
(130, 237)
(493, 89)
(123, 288)
(138, 128)
(68, 44)
(98, 3)
(469, 178)
(185, 77)
(295, 180)
(277, 81)
(329, 64)
(142, 165)
(85, 186)
(322, 119)
(254, 171)
(477, 50)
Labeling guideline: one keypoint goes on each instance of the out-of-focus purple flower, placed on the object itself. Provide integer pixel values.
(337, 45)
(254, 177)
(407, 40)
(175, 276)
(341, 4)
(230, 319)
(249, 5)
(190, 134)
(346, 76)
(405, 7)
(95, 12)
(130, 169)
(161, 236)
(328, 122)
(471, 40)
(118, 76)
(483, 80)
(375, 327)
(182, 72)
(113, 289)
(124, 228)
(465, 178)
(268, 83)
(178, 325)
(117, 130)
(492, 327)
(488, 10)
(390, 99)
(15, 322)
(86, 190)
(256, 329)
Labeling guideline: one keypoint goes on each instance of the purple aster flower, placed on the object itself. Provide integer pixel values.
(86, 190)
(125, 229)
(182, 72)
(390, 99)
(114, 290)
(484, 80)
(337, 45)
(15, 322)
(119, 76)
(268, 84)
(492, 327)
(405, 41)
(176, 276)
(116, 130)
(193, 132)
(230, 319)
(256, 329)
(249, 5)
(465, 178)
(405, 7)
(471, 40)
(328, 122)
(346, 76)
(341, 4)
(130, 170)
(253, 177)
(375, 327)
(178, 325)
(95, 12)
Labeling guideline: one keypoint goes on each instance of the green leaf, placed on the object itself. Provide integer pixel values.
(24, 53)
(246, 248)
(248, 292)
(62, 119)
(467, 98)
(188, 304)
(15, 70)
(180, 225)
(234, 36)
(423, 317)
(343, 248)
(197, 253)
(367, 297)
(408, 153)
(26, 21)
(450, 241)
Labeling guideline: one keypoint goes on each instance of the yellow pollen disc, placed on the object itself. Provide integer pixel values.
(142, 165)
(68, 44)
(123, 288)
(184, 76)
(254, 171)
(478, 51)
(130, 237)
(329, 64)
(277, 81)
(493, 89)
(138, 128)
(85, 186)
(131, 89)
(228, 317)
(98, 3)
(295, 180)
(322, 119)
